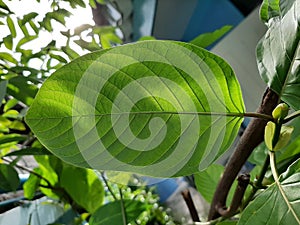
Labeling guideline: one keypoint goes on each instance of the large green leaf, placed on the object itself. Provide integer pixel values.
(278, 53)
(278, 204)
(132, 108)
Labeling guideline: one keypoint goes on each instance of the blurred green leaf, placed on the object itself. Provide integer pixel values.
(23, 28)
(9, 138)
(58, 57)
(8, 57)
(8, 41)
(25, 40)
(9, 179)
(206, 39)
(19, 88)
(91, 46)
(70, 52)
(132, 208)
(93, 4)
(10, 104)
(83, 186)
(17, 125)
(58, 15)
(31, 185)
(75, 3)
(13, 114)
(30, 151)
(28, 17)
(3, 84)
(11, 26)
(34, 27)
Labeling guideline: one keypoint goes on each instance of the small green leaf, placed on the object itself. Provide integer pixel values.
(8, 41)
(58, 57)
(9, 179)
(10, 104)
(31, 185)
(25, 40)
(11, 27)
(132, 208)
(34, 27)
(28, 17)
(9, 138)
(29, 151)
(8, 57)
(17, 125)
(23, 28)
(70, 52)
(205, 40)
(12, 114)
(83, 186)
(93, 4)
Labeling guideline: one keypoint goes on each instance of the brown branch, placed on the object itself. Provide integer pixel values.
(251, 138)
(190, 204)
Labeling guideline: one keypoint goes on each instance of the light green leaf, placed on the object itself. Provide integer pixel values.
(23, 27)
(70, 52)
(83, 186)
(28, 17)
(278, 52)
(205, 40)
(136, 108)
(10, 104)
(9, 179)
(25, 40)
(132, 208)
(3, 85)
(8, 57)
(8, 42)
(17, 125)
(11, 26)
(32, 184)
(8, 138)
(271, 207)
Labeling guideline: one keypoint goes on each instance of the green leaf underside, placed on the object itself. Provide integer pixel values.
(270, 207)
(9, 179)
(278, 53)
(116, 109)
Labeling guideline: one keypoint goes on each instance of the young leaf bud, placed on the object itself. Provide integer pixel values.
(281, 111)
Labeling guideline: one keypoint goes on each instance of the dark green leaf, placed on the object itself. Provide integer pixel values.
(31, 185)
(278, 204)
(58, 57)
(4, 6)
(167, 77)
(58, 15)
(19, 88)
(8, 138)
(278, 53)
(91, 46)
(8, 57)
(133, 210)
(83, 186)
(3, 84)
(34, 27)
(29, 151)
(205, 40)
(11, 26)
(28, 17)
(8, 42)
(9, 179)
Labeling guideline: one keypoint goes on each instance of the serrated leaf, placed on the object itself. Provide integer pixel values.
(132, 208)
(123, 90)
(9, 179)
(83, 186)
(278, 204)
(207, 39)
(278, 52)
(11, 27)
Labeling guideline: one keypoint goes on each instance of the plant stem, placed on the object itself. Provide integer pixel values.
(190, 204)
(292, 116)
(108, 186)
(123, 207)
(258, 184)
(252, 137)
